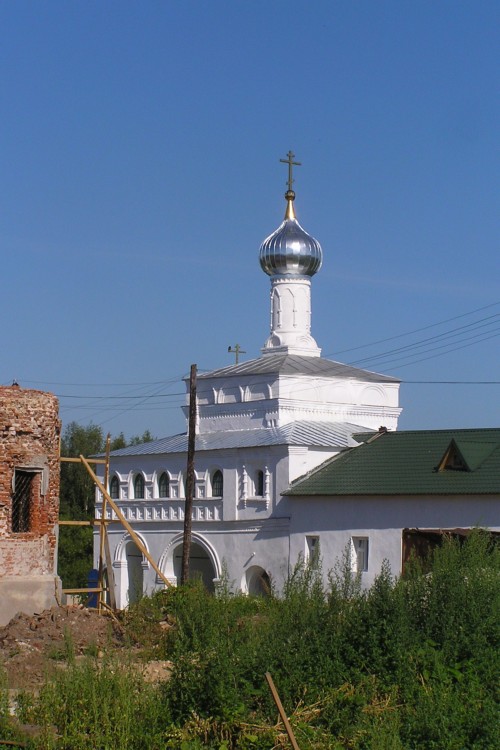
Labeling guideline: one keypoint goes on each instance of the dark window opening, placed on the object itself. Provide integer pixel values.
(139, 487)
(421, 543)
(217, 484)
(164, 485)
(114, 488)
(21, 501)
(259, 484)
(455, 462)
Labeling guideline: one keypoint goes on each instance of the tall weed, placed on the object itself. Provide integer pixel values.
(100, 705)
(411, 663)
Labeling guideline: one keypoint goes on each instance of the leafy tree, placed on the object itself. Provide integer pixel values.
(118, 442)
(76, 504)
(77, 488)
(146, 437)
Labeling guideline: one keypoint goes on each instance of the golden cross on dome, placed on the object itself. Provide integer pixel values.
(291, 163)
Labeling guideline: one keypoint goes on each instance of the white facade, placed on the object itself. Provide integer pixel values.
(261, 430)
(261, 424)
(339, 522)
(247, 530)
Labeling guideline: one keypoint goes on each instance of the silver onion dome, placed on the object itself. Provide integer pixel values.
(290, 250)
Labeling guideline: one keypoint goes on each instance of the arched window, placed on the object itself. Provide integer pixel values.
(114, 487)
(138, 487)
(259, 483)
(164, 485)
(217, 484)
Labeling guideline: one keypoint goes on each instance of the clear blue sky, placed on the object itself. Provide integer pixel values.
(139, 163)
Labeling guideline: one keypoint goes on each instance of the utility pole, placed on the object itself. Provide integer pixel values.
(188, 509)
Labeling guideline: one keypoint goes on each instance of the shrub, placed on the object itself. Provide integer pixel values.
(410, 663)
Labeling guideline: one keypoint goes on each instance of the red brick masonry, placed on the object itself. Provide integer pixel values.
(29, 439)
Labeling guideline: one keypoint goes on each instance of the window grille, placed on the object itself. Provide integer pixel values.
(21, 501)
(217, 484)
(114, 488)
(164, 485)
(139, 487)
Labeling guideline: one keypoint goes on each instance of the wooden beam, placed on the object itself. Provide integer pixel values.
(125, 523)
(109, 571)
(79, 460)
(91, 522)
(102, 527)
(282, 713)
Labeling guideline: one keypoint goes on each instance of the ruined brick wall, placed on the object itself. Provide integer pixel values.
(29, 443)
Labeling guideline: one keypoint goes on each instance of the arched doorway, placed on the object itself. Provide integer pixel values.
(135, 572)
(129, 566)
(204, 562)
(258, 582)
(200, 565)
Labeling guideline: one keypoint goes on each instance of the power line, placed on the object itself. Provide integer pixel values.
(106, 385)
(416, 330)
(145, 402)
(156, 395)
(453, 333)
(448, 351)
(451, 382)
(384, 355)
(399, 363)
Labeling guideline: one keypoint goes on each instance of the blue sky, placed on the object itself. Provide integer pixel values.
(140, 172)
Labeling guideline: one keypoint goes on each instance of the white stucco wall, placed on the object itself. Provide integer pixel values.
(235, 547)
(335, 520)
(239, 532)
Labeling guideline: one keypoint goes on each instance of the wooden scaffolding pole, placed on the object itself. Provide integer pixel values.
(124, 521)
(281, 710)
(102, 528)
(104, 545)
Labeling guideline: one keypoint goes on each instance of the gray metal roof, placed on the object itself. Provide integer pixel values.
(321, 434)
(295, 364)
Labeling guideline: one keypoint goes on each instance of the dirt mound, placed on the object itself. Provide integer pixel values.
(31, 646)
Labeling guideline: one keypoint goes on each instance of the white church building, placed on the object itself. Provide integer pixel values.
(260, 425)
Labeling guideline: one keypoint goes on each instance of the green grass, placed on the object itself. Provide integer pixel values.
(411, 664)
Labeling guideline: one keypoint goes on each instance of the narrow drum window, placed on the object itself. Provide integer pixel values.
(21, 501)
(164, 485)
(217, 484)
(259, 484)
(114, 488)
(139, 487)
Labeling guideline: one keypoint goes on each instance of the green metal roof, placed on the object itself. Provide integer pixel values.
(406, 463)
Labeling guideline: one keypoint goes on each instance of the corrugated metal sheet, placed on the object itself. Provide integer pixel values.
(294, 364)
(406, 463)
(322, 434)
